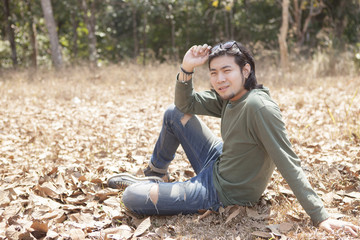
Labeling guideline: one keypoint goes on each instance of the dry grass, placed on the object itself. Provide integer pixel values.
(86, 125)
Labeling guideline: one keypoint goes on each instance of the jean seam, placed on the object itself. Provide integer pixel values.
(161, 147)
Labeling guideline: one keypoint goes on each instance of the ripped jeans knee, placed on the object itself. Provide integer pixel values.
(153, 199)
(141, 196)
(185, 119)
(149, 198)
(172, 112)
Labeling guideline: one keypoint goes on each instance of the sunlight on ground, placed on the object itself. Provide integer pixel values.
(63, 134)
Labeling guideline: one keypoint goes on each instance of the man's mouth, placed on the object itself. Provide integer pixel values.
(223, 88)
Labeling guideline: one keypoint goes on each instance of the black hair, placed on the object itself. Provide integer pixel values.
(241, 58)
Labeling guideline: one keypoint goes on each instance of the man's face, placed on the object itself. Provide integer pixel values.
(226, 77)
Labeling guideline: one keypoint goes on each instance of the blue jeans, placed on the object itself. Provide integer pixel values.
(202, 148)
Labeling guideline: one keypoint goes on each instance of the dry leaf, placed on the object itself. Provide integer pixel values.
(51, 214)
(48, 189)
(114, 237)
(286, 191)
(4, 199)
(206, 214)
(233, 215)
(96, 180)
(13, 232)
(162, 232)
(82, 178)
(124, 231)
(112, 202)
(40, 226)
(77, 234)
(285, 227)
(294, 216)
(54, 170)
(221, 210)
(144, 225)
(328, 198)
(189, 173)
(262, 234)
(274, 229)
(51, 235)
(355, 195)
(251, 212)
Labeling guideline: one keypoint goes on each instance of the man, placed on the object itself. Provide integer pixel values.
(235, 170)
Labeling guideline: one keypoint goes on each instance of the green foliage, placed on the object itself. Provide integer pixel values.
(164, 29)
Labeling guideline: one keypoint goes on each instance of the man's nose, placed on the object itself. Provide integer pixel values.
(221, 78)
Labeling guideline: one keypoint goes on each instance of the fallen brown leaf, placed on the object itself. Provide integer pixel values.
(144, 225)
(233, 214)
(40, 226)
(77, 234)
(262, 234)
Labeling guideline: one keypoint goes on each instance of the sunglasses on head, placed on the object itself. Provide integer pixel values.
(231, 47)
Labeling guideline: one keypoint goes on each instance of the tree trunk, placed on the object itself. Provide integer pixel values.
(33, 42)
(187, 35)
(10, 32)
(231, 21)
(89, 18)
(144, 38)
(302, 30)
(226, 24)
(297, 17)
(75, 25)
(135, 38)
(51, 27)
(282, 36)
(173, 44)
(32, 36)
(340, 22)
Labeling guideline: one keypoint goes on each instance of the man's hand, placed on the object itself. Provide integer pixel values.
(332, 224)
(197, 55)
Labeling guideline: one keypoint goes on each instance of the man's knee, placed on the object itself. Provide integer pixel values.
(173, 111)
(136, 196)
(185, 119)
(170, 111)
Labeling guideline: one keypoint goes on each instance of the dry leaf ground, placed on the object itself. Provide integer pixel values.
(63, 134)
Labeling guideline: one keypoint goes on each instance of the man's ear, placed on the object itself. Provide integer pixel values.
(246, 70)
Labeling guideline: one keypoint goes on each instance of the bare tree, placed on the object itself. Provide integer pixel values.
(51, 27)
(144, 37)
(75, 25)
(32, 35)
(89, 18)
(315, 7)
(284, 59)
(10, 32)
(134, 26)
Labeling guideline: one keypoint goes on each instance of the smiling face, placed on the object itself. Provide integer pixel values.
(226, 77)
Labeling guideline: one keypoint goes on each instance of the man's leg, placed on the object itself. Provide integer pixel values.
(197, 140)
(149, 198)
(202, 149)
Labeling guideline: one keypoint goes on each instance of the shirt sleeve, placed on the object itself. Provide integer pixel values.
(201, 103)
(271, 132)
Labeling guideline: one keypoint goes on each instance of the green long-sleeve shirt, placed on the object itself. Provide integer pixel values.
(255, 142)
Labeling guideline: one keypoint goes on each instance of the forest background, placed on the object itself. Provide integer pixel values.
(84, 83)
(111, 31)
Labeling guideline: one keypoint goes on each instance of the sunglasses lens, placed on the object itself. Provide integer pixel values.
(225, 47)
(228, 45)
(214, 49)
